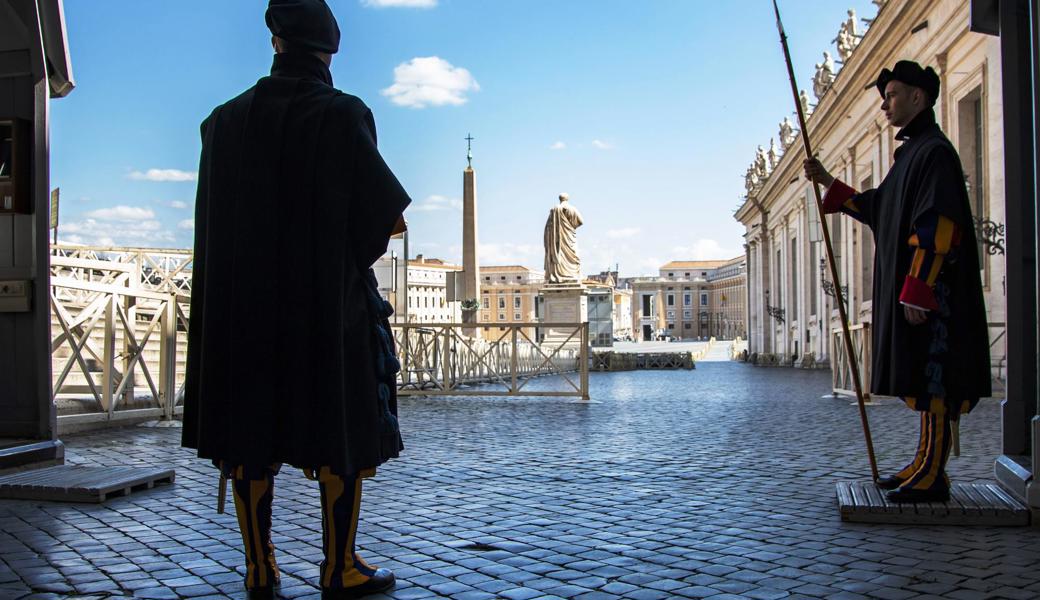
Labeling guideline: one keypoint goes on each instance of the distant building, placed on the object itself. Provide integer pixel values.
(428, 297)
(508, 294)
(622, 314)
(690, 300)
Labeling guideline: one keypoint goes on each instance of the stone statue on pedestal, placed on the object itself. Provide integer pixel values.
(562, 264)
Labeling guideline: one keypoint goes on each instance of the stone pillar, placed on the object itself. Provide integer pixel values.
(470, 260)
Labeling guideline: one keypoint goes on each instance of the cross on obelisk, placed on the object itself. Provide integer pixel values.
(469, 149)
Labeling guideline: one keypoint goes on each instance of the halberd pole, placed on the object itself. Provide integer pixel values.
(849, 349)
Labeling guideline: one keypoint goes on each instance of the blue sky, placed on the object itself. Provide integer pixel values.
(646, 112)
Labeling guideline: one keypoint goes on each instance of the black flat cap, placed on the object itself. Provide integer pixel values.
(911, 73)
(304, 24)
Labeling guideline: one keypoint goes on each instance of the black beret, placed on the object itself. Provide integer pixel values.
(911, 73)
(305, 24)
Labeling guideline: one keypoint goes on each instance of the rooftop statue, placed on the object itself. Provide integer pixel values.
(787, 133)
(761, 163)
(848, 37)
(562, 264)
(803, 99)
(824, 77)
(772, 155)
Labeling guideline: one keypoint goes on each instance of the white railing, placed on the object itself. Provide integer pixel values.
(117, 351)
(841, 372)
(119, 322)
(156, 269)
(441, 359)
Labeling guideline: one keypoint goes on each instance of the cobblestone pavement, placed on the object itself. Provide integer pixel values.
(712, 483)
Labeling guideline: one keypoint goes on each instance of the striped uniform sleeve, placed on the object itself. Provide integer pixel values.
(934, 237)
(842, 198)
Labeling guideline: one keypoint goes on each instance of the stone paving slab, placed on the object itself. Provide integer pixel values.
(713, 483)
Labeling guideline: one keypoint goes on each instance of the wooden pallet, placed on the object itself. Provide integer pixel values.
(983, 503)
(70, 483)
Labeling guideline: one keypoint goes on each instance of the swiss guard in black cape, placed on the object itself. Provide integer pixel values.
(290, 356)
(930, 340)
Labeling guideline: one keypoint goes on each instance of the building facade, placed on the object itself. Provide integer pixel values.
(690, 300)
(508, 294)
(791, 300)
(430, 297)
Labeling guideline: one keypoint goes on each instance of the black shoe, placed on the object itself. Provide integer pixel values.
(382, 580)
(910, 495)
(889, 483)
(261, 593)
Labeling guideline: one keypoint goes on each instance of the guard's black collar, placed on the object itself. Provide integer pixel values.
(301, 65)
(924, 121)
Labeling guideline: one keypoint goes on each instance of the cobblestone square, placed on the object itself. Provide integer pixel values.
(712, 483)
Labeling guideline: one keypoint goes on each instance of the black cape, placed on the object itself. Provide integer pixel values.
(294, 205)
(949, 355)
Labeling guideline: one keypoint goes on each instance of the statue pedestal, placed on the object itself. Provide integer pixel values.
(564, 303)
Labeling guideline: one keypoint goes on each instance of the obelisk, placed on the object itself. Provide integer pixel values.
(470, 262)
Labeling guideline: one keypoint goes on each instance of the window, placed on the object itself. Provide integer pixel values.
(518, 278)
(671, 299)
(516, 316)
(670, 315)
(686, 326)
(687, 274)
(670, 275)
(704, 299)
(687, 314)
(971, 147)
(487, 302)
(793, 279)
(671, 326)
(501, 316)
(487, 278)
(501, 302)
(503, 277)
(866, 249)
(516, 301)
(647, 305)
(687, 299)
(814, 266)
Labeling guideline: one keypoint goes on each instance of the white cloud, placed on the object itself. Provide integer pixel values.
(163, 175)
(178, 204)
(624, 232)
(557, 146)
(186, 224)
(437, 202)
(122, 213)
(120, 233)
(508, 253)
(400, 3)
(704, 249)
(430, 81)
(120, 226)
(602, 145)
